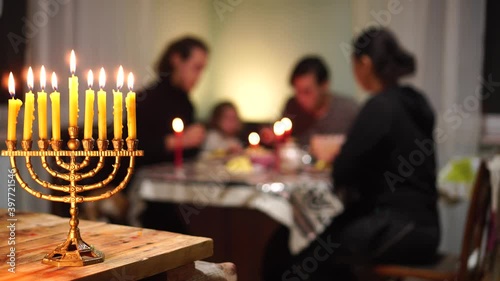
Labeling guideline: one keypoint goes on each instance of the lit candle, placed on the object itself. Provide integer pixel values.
(254, 140)
(101, 105)
(42, 106)
(131, 112)
(279, 130)
(89, 107)
(29, 109)
(55, 99)
(178, 127)
(14, 106)
(288, 126)
(117, 105)
(73, 92)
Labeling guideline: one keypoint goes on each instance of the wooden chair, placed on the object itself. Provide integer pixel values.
(447, 267)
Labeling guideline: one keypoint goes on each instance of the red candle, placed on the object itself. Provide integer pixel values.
(287, 123)
(279, 131)
(178, 127)
(254, 140)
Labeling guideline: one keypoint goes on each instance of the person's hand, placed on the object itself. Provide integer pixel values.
(234, 148)
(326, 147)
(194, 136)
(267, 135)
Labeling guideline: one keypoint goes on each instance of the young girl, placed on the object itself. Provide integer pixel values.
(224, 127)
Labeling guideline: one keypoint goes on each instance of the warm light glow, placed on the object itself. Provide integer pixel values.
(30, 78)
(287, 123)
(90, 79)
(12, 85)
(130, 81)
(177, 125)
(102, 78)
(54, 81)
(279, 128)
(253, 138)
(119, 79)
(72, 62)
(43, 78)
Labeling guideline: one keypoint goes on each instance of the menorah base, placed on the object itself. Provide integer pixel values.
(74, 252)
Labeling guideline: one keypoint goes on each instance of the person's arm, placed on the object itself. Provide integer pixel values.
(370, 127)
(351, 111)
(192, 137)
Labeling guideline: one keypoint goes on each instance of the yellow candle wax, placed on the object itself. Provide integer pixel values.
(118, 106)
(14, 107)
(42, 114)
(29, 115)
(42, 107)
(73, 92)
(117, 114)
(29, 108)
(89, 108)
(55, 98)
(131, 111)
(131, 115)
(89, 113)
(101, 106)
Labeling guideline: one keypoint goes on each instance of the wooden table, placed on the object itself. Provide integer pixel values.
(130, 253)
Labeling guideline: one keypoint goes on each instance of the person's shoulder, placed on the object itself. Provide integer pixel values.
(345, 102)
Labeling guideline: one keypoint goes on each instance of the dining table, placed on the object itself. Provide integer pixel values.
(257, 200)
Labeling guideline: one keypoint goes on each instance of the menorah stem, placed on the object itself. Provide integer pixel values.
(74, 221)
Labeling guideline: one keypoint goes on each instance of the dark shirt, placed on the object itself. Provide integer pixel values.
(157, 106)
(389, 155)
(338, 119)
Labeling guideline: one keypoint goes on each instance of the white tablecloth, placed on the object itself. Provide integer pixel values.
(304, 202)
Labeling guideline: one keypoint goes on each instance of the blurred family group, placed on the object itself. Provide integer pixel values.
(388, 217)
(314, 110)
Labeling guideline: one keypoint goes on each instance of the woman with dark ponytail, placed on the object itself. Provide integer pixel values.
(385, 173)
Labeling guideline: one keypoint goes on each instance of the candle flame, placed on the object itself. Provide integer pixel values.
(279, 128)
(12, 85)
(119, 79)
(72, 62)
(102, 78)
(253, 138)
(130, 81)
(54, 81)
(90, 79)
(287, 123)
(43, 78)
(30, 78)
(177, 125)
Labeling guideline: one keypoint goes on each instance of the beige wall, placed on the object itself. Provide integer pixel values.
(254, 44)
(257, 43)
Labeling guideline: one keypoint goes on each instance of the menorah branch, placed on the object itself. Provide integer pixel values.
(122, 184)
(31, 191)
(52, 172)
(93, 172)
(41, 182)
(106, 181)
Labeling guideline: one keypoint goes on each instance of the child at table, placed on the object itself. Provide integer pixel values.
(224, 127)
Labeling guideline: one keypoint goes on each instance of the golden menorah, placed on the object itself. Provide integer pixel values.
(74, 251)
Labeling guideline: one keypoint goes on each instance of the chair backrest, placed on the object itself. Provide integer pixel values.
(473, 246)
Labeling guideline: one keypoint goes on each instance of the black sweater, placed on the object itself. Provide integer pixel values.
(389, 156)
(157, 106)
